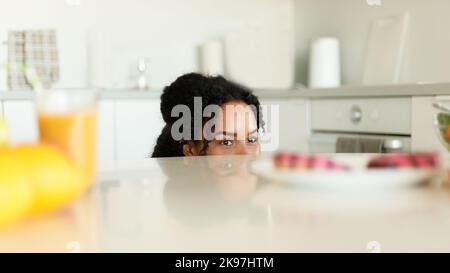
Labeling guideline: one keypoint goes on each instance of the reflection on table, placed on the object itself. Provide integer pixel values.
(216, 204)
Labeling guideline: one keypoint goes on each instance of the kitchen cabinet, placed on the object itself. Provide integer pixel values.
(293, 123)
(21, 120)
(106, 139)
(138, 125)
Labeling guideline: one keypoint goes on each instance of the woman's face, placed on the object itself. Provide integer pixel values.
(235, 133)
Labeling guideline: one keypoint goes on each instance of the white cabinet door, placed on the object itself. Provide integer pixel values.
(106, 132)
(423, 137)
(138, 125)
(293, 123)
(21, 120)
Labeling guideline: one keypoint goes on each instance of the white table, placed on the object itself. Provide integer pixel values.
(214, 204)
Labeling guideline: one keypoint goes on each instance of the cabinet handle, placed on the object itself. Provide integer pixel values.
(392, 145)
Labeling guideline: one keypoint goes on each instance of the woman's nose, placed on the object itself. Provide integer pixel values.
(243, 149)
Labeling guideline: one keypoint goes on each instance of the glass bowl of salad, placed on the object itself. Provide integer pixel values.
(441, 122)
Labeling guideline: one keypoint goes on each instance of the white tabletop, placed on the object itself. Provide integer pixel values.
(215, 204)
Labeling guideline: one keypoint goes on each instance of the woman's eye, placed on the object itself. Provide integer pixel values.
(252, 139)
(227, 142)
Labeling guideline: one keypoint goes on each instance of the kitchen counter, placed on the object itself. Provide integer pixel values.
(215, 204)
(123, 94)
(110, 94)
(401, 90)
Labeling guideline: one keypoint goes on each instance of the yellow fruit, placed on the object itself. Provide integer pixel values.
(16, 194)
(55, 180)
(3, 133)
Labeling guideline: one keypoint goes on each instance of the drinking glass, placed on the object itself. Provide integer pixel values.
(68, 120)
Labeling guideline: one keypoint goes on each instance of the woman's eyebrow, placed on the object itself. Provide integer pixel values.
(234, 134)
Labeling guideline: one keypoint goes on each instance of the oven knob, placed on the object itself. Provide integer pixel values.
(356, 114)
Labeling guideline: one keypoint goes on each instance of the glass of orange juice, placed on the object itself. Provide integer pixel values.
(68, 120)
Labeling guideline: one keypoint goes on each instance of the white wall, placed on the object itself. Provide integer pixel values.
(71, 24)
(101, 40)
(428, 52)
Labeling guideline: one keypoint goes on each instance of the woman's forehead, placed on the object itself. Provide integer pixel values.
(237, 116)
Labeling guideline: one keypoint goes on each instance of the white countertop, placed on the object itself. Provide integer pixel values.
(111, 94)
(400, 90)
(123, 94)
(214, 204)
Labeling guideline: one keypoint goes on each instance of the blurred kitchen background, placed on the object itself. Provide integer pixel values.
(337, 68)
(100, 41)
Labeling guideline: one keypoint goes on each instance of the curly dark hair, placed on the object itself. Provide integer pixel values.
(213, 91)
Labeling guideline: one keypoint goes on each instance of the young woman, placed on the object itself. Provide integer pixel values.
(234, 132)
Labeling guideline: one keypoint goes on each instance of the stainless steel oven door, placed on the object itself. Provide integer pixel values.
(326, 142)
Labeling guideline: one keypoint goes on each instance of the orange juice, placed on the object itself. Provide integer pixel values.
(74, 133)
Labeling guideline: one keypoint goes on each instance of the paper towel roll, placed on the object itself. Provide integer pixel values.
(324, 63)
(211, 58)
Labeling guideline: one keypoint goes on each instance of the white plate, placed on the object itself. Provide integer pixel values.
(358, 178)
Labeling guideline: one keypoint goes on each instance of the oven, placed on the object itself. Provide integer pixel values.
(386, 121)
